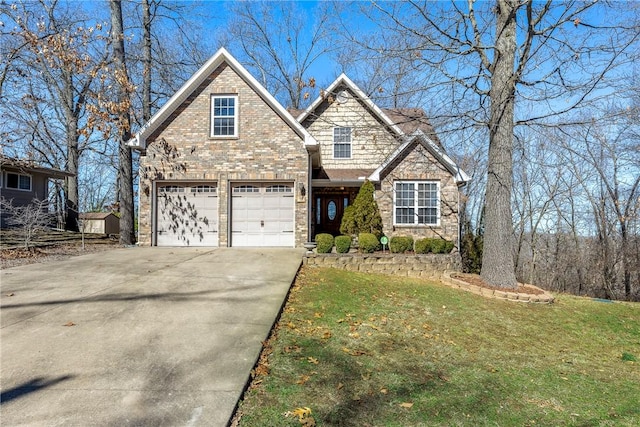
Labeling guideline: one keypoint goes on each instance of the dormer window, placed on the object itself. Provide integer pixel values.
(224, 115)
(342, 143)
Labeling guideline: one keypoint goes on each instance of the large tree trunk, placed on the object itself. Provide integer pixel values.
(125, 164)
(73, 155)
(497, 257)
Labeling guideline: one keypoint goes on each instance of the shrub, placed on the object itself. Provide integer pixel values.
(423, 246)
(368, 242)
(363, 216)
(448, 246)
(401, 244)
(325, 243)
(343, 244)
(436, 246)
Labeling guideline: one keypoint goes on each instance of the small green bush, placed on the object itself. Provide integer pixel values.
(368, 243)
(325, 243)
(448, 246)
(436, 246)
(423, 246)
(401, 244)
(343, 244)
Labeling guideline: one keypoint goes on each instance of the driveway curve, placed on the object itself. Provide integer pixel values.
(137, 336)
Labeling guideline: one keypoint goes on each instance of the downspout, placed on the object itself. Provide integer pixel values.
(309, 195)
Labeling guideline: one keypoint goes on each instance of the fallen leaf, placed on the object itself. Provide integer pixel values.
(303, 379)
(384, 391)
(326, 335)
(407, 405)
(302, 412)
(313, 360)
(340, 386)
(317, 315)
(69, 323)
(10, 294)
(353, 352)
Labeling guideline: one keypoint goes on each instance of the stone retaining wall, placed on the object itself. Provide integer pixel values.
(427, 266)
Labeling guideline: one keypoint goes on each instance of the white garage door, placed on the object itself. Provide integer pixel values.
(187, 215)
(262, 215)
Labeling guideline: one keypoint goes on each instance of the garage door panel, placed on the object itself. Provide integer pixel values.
(263, 215)
(187, 215)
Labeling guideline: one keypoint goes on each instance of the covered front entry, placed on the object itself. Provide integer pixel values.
(187, 214)
(329, 206)
(262, 214)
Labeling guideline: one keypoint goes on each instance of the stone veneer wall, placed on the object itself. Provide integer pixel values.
(182, 150)
(420, 165)
(426, 266)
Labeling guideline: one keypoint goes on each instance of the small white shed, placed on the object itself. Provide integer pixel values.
(100, 223)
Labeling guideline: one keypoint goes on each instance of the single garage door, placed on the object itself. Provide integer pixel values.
(262, 215)
(187, 215)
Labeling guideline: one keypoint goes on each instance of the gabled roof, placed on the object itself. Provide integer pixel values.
(139, 141)
(29, 166)
(421, 138)
(408, 124)
(343, 80)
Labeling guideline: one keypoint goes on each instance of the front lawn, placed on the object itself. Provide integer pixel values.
(369, 350)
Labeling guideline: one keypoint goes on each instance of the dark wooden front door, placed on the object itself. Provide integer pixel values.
(329, 210)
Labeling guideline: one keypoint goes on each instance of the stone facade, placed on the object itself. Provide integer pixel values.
(420, 164)
(182, 150)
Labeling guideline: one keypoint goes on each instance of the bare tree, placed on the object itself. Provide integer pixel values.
(478, 58)
(281, 43)
(53, 80)
(124, 89)
(29, 218)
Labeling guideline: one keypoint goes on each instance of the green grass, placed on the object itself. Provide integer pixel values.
(368, 350)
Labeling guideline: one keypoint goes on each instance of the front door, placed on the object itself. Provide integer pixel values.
(329, 210)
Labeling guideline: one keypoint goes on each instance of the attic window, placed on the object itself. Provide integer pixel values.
(18, 181)
(224, 115)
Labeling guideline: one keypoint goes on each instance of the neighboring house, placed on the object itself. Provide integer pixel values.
(100, 223)
(22, 181)
(224, 164)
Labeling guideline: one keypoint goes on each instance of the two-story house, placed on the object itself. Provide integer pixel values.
(225, 164)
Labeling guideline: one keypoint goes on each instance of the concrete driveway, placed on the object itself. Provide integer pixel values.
(137, 336)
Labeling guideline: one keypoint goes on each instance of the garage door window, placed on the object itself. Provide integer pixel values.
(279, 189)
(246, 189)
(172, 189)
(203, 189)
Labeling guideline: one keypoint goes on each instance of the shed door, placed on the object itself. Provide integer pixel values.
(187, 215)
(262, 215)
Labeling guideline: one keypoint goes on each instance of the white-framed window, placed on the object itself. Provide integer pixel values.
(18, 181)
(416, 203)
(224, 115)
(342, 143)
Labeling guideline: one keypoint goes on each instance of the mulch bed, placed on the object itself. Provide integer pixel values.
(474, 279)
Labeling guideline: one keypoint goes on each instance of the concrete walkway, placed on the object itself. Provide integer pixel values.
(138, 336)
